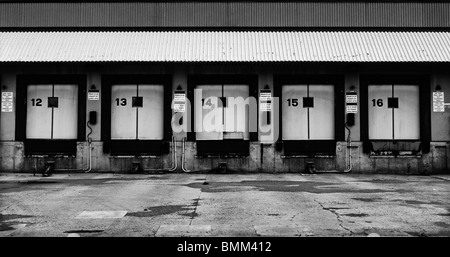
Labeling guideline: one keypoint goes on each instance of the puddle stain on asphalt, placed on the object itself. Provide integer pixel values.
(6, 227)
(356, 214)
(282, 186)
(4, 217)
(8, 221)
(442, 224)
(166, 210)
(83, 231)
(412, 202)
(157, 178)
(49, 183)
(369, 200)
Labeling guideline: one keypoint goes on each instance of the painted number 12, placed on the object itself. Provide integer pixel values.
(36, 102)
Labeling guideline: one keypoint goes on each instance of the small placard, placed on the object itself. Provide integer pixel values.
(351, 97)
(265, 100)
(179, 101)
(179, 107)
(93, 95)
(438, 96)
(438, 102)
(352, 108)
(265, 107)
(7, 106)
(179, 97)
(265, 96)
(438, 107)
(7, 96)
(7, 101)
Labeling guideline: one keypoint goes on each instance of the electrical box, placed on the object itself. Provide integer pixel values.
(93, 117)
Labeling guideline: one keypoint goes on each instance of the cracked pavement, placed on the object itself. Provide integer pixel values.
(228, 205)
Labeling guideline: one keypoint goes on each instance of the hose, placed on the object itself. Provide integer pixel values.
(183, 157)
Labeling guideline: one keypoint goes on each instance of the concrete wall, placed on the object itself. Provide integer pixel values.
(264, 155)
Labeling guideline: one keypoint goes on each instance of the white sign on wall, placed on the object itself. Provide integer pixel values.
(351, 100)
(351, 97)
(93, 95)
(438, 102)
(179, 101)
(265, 100)
(7, 101)
(352, 108)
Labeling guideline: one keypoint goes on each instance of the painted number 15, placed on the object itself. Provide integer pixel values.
(292, 102)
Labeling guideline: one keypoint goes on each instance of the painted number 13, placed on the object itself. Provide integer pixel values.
(121, 101)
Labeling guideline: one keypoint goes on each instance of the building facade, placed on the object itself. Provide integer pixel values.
(111, 86)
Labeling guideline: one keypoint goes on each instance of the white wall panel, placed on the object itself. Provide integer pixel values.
(407, 115)
(321, 116)
(236, 117)
(380, 117)
(294, 117)
(210, 93)
(65, 116)
(151, 114)
(39, 116)
(123, 116)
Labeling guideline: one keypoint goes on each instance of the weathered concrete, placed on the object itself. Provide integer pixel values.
(271, 160)
(225, 205)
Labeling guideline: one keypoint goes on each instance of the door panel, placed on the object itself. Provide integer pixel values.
(123, 115)
(321, 116)
(236, 117)
(210, 94)
(151, 114)
(294, 116)
(407, 115)
(39, 116)
(65, 116)
(380, 116)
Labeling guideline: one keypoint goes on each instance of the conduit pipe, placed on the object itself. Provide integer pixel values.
(174, 158)
(183, 157)
(89, 166)
(348, 154)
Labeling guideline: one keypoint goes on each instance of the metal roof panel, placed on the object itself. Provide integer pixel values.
(225, 46)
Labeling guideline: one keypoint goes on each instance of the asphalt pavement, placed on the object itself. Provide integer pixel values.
(225, 205)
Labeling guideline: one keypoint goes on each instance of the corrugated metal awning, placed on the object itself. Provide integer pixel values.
(230, 46)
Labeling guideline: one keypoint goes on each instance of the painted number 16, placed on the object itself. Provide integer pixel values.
(377, 102)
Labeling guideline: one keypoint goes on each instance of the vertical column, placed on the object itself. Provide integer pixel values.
(7, 119)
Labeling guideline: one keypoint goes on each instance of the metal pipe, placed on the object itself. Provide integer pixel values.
(89, 166)
(183, 157)
(348, 154)
(174, 158)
